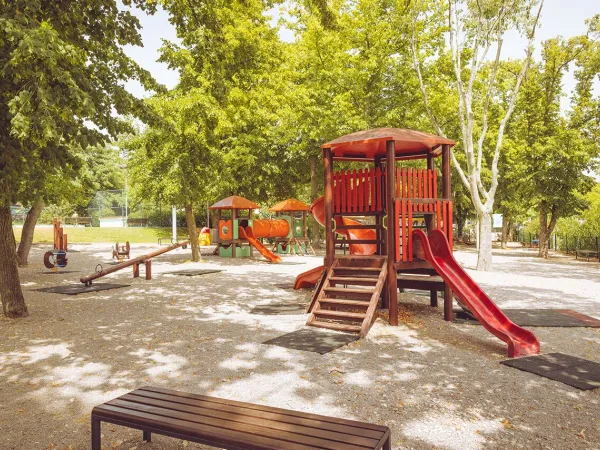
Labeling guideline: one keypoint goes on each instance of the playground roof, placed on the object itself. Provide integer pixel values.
(234, 202)
(291, 204)
(409, 144)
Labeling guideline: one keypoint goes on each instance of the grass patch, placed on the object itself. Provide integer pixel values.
(87, 235)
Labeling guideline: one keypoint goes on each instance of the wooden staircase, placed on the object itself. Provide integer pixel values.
(349, 295)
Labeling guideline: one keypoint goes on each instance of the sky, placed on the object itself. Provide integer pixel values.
(559, 17)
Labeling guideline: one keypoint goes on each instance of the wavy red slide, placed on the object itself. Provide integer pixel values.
(436, 251)
(248, 234)
(317, 209)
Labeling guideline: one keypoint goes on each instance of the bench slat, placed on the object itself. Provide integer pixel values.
(137, 411)
(273, 424)
(287, 418)
(287, 412)
(203, 433)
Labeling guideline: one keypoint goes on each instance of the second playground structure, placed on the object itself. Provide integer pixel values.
(239, 233)
(387, 250)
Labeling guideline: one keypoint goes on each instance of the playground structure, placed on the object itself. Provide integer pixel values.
(239, 232)
(122, 252)
(135, 262)
(387, 249)
(296, 242)
(58, 256)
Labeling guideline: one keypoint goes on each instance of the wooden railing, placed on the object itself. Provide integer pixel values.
(363, 191)
(403, 223)
(358, 191)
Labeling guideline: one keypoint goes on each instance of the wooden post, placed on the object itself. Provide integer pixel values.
(447, 194)
(378, 216)
(136, 270)
(328, 182)
(433, 301)
(148, 263)
(429, 217)
(233, 245)
(392, 276)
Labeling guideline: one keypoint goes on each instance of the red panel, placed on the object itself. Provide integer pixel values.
(338, 192)
(354, 191)
(450, 224)
(404, 186)
(420, 184)
(438, 215)
(366, 190)
(409, 191)
(435, 184)
(397, 229)
(378, 189)
(359, 193)
(373, 189)
(409, 231)
(404, 228)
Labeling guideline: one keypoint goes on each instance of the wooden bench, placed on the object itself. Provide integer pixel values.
(587, 254)
(231, 424)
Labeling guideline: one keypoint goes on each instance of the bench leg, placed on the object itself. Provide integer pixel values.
(387, 445)
(96, 434)
(147, 436)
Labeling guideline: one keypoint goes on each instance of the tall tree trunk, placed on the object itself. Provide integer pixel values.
(192, 231)
(460, 227)
(546, 228)
(484, 259)
(315, 173)
(27, 232)
(13, 302)
(505, 230)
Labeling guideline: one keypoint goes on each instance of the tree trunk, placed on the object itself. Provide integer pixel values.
(484, 259)
(27, 232)
(13, 302)
(460, 227)
(192, 231)
(504, 231)
(546, 228)
(315, 173)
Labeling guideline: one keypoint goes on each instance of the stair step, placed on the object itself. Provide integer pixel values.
(363, 281)
(339, 315)
(336, 326)
(357, 269)
(347, 291)
(341, 302)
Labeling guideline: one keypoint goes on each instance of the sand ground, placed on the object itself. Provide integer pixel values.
(435, 384)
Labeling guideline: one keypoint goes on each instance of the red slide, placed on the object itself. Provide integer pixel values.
(248, 234)
(436, 251)
(317, 209)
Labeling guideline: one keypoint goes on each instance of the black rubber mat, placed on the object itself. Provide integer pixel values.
(192, 272)
(311, 340)
(576, 372)
(75, 289)
(281, 309)
(538, 318)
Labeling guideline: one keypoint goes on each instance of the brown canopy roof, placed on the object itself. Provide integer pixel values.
(367, 144)
(234, 202)
(291, 204)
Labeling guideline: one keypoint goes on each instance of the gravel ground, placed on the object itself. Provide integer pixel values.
(435, 384)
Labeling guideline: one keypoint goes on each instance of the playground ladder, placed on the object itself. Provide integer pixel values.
(350, 293)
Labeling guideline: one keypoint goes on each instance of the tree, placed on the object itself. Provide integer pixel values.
(474, 28)
(99, 167)
(62, 67)
(558, 153)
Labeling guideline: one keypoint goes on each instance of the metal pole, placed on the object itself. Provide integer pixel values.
(174, 222)
(126, 199)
